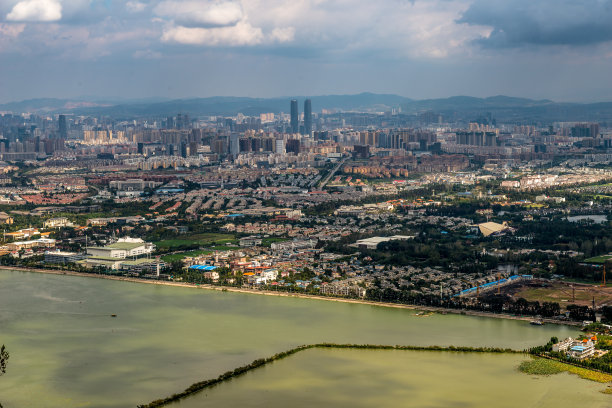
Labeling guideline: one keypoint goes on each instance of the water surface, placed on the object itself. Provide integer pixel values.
(66, 349)
(393, 378)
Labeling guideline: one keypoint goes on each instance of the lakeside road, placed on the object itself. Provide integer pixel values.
(285, 294)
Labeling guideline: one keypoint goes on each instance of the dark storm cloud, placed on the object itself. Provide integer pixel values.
(521, 23)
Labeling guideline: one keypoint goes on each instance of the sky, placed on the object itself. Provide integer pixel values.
(553, 49)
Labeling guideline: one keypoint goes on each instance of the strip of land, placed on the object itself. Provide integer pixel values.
(284, 294)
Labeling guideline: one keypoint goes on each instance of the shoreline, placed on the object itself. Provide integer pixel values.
(206, 286)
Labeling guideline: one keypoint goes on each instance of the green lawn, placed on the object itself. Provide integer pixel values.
(270, 240)
(599, 259)
(183, 255)
(223, 248)
(196, 239)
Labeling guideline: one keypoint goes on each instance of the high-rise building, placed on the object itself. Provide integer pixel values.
(294, 116)
(170, 122)
(234, 144)
(63, 127)
(279, 146)
(292, 146)
(307, 117)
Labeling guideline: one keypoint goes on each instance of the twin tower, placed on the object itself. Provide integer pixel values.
(295, 118)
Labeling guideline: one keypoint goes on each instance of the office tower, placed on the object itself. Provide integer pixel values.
(307, 117)
(234, 144)
(63, 128)
(170, 122)
(294, 116)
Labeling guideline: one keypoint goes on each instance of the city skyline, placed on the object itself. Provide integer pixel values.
(419, 49)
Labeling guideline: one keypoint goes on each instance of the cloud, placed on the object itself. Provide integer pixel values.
(201, 13)
(11, 30)
(282, 35)
(520, 23)
(135, 6)
(147, 54)
(356, 29)
(36, 10)
(240, 34)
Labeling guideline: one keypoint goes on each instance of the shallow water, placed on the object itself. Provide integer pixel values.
(411, 379)
(66, 349)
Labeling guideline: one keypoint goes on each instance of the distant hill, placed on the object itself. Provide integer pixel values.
(459, 103)
(228, 105)
(503, 108)
(217, 105)
(42, 105)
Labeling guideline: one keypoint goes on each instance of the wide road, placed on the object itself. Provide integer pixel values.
(331, 173)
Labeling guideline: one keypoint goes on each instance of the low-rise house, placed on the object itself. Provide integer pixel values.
(212, 275)
(563, 345)
(250, 241)
(22, 233)
(582, 349)
(579, 349)
(34, 243)
(5, 218)
(60, 222)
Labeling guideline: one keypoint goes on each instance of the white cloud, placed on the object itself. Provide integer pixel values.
(36, 10)
(282, 35)
(240, 34)
(135, 6)
(201, 13)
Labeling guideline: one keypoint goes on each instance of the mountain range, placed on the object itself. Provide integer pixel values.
(456, 107)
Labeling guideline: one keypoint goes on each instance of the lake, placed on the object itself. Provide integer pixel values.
(408, 379)
(67, 350)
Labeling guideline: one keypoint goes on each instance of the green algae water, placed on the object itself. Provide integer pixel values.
(67, 350)
(391, 378)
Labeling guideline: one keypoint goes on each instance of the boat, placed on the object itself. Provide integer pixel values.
(537, 323)
(113, 315)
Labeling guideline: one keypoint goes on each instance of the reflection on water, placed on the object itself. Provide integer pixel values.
(73, 354)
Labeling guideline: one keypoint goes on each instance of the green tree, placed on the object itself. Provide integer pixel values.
(4, 356)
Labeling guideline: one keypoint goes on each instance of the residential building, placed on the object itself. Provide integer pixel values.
(60, 222)
(5, 218)
(250, 241)
(34, 243)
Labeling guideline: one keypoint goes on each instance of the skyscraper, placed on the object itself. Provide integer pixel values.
(307, 117)
(234, 145)
(294, 117)
(63, 127)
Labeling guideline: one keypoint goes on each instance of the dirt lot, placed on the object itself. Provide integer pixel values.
(561, 292)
